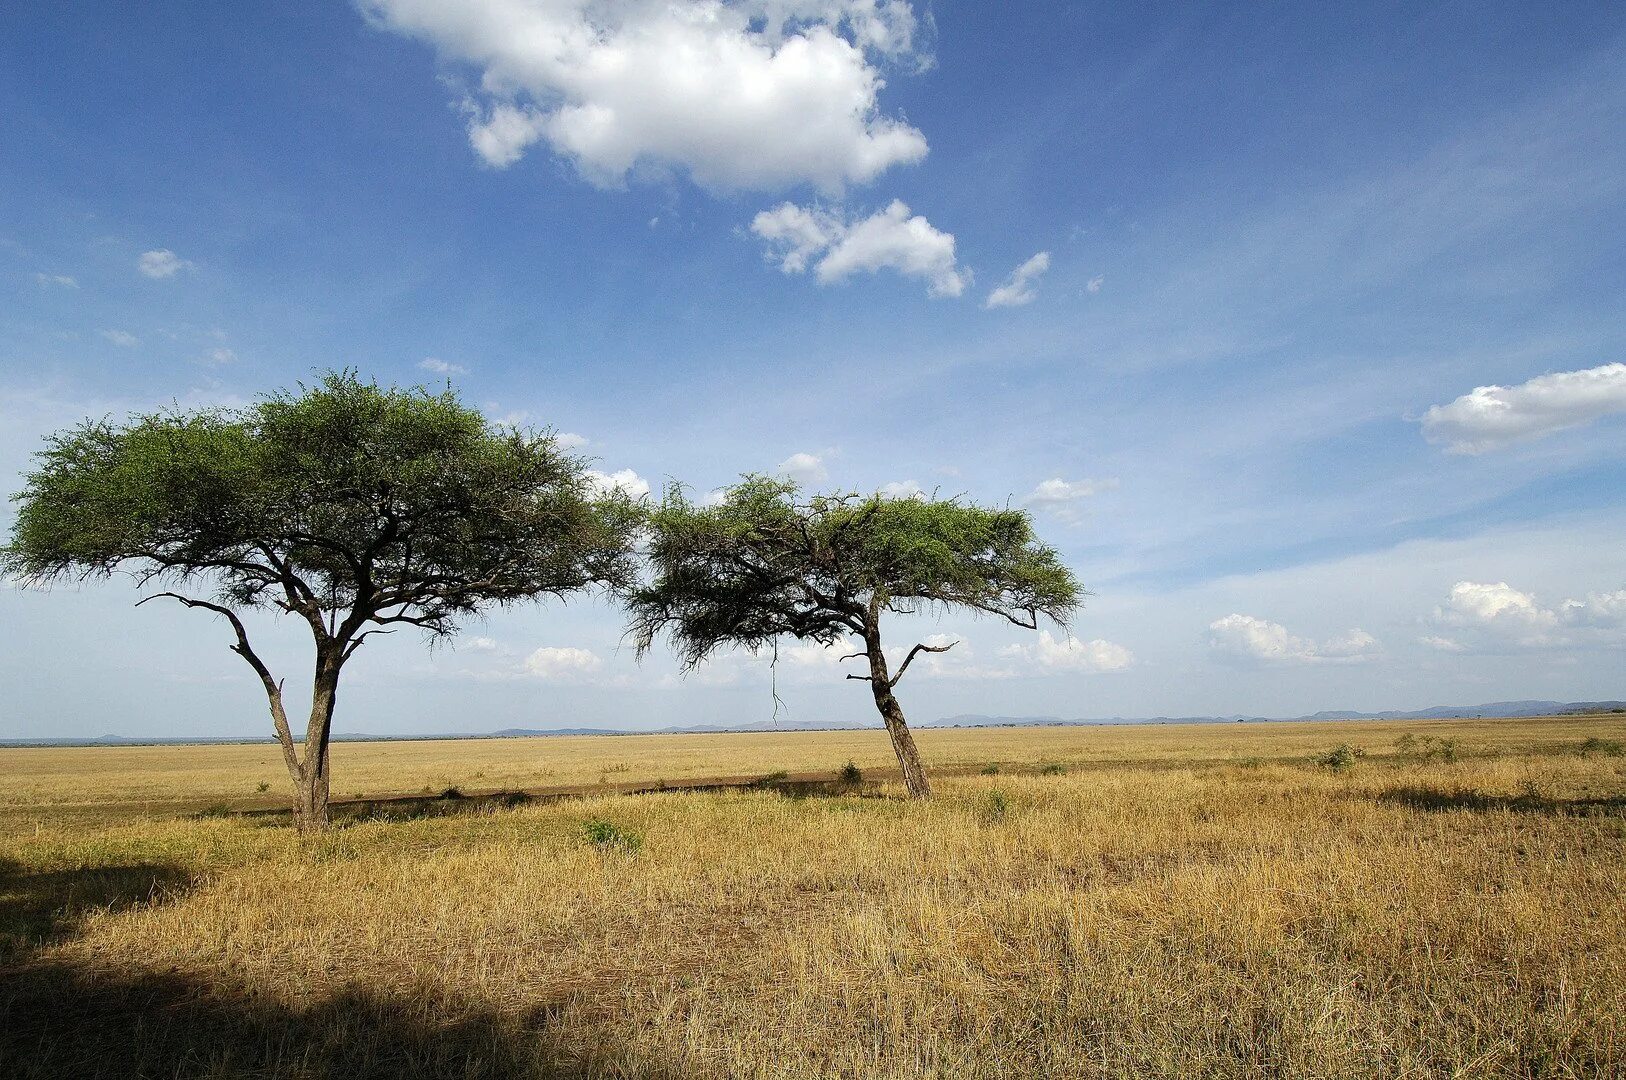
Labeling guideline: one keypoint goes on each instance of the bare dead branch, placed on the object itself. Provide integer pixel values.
(916, 651)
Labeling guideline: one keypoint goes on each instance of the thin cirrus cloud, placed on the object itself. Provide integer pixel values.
(62, 280)
(122, 338)
(441, 367)
(1248, 638)
(1492, 417)
(836, 247)
(757, 95)
(1022, 287)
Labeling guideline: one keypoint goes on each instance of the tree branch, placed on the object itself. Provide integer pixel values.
(273, 688)
(350, 649)
(916, 651)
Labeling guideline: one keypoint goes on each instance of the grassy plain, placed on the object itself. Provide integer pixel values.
(1160, 901)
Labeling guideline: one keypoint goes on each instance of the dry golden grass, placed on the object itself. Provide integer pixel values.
(1146, 918)
(114, 779)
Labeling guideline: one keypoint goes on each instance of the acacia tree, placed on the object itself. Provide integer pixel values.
(764, 564)
(354, 508)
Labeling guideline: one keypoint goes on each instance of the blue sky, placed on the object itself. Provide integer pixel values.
(1318, 384)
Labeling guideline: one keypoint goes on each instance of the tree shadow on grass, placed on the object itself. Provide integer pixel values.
(1437, 800)
(38, 907)
(62, 1020)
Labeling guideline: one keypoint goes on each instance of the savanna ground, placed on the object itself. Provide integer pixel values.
(1179, 901)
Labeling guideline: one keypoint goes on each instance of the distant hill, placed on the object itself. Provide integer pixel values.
(1493, 710)
(1496, 710)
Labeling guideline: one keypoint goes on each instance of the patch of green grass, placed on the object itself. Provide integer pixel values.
(607, 836)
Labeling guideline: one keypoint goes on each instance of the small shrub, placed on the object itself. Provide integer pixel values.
(1427, 748)
(606, 836)
(1606, 747)
(990, 769)
(452, 793)
(262, 787)
(1054, 768)
(850, 774)
(776, 777)
(995, 805)
(1340, 759)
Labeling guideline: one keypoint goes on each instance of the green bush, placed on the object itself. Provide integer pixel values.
(1606, 747)
(606, 836)
(1054, 768)
(995, 805)
(850, 774)
(1427, 748)
(1340, 759)
(990, 769)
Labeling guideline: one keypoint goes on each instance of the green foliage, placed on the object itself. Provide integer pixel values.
(1427, 748)
(606, 836)
(763, 563)
(990, 769)
(1340, 759)
(994, 807)
(1053, 768)
(850, 773)
(1605, 747)
(347, 498)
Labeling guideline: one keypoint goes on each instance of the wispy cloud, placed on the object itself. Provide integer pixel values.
(441, 367)
(1022, 286)
(161, 263)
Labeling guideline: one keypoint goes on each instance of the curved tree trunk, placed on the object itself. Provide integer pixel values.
(903, 743)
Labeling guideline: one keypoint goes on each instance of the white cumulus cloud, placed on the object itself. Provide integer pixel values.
(1245, 637)
(121, 338)
(1069, 654)
(901, 489)
(567, 665)
(162, 263)
(623, 480)
(1022, 286)
(441, 367)
(1491, 417)
(890, 239)
(747, 94)
(569, 440)
(803, 468)
(1482, 616)
(1057, 492)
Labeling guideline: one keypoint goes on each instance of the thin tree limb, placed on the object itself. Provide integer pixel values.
(273, 688)
(916, 651)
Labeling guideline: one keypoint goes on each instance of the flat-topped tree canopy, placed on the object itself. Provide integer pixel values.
(357, 508)
(764, 562)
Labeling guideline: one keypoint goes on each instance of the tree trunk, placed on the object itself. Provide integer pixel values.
(311, 783)
(903, 743)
